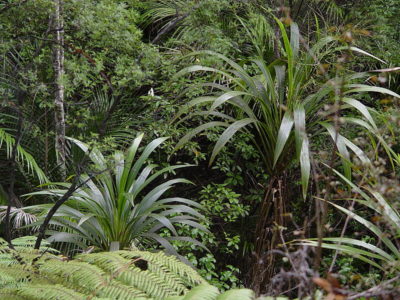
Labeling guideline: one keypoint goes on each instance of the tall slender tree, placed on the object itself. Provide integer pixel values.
(58, 65)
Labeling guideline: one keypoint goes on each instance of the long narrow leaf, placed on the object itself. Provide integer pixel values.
(227, 134)
(283, 135)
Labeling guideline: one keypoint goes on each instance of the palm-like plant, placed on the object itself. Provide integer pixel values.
(281, 104)
(123, 205)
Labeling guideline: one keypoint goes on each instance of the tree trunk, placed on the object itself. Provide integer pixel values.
(58, 65)
(267, 235)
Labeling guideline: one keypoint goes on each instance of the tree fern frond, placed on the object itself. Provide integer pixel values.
(112, 275)
(117, 290)
(242, 294)
(78, 275)
(10, 295)
(124, 271)
(26, 244)
(202, 292)
(168, 264)
(152, 285)
(26, 273)
(49, 292)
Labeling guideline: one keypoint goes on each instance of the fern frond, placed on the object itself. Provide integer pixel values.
(117, 290)
(49, 292)
(242, 294)
(77, 275)
(113, 275)
(26, 244)
(168, 264)
(9, 294)
(27, 273)
(202, 292)
(124, 271)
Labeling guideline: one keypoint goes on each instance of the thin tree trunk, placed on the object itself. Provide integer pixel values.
(58, 65)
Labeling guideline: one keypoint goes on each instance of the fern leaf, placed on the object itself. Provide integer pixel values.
(202, 292)
(237, 294)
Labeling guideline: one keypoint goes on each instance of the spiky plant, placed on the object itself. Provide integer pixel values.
(283, 105)
(124, 205)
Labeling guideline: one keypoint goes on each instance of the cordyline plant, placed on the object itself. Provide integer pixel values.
(283, 105)
(122, 207)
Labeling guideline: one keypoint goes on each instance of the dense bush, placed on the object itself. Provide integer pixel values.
(283, 114)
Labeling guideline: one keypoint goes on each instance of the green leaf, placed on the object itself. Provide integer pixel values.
(371, 227)
(225, 97)
(357, 88)
(360, 154)
(295, 39)
(227, 134)
(343, 240)
(202, 292)
(197, 68)
(239, 294)
(197, 130)
(362, 109)
(341, 146)
(355, 252)
(194, 102)
(305, 166)
(283, 135)
(355, 49)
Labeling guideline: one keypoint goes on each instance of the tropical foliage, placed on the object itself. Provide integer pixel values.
(119, 208)
(257, 142)
(281, 102)
(30, 274)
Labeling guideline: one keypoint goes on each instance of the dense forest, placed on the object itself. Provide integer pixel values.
(200, 149)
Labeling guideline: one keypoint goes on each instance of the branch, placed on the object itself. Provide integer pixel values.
(71, 190)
